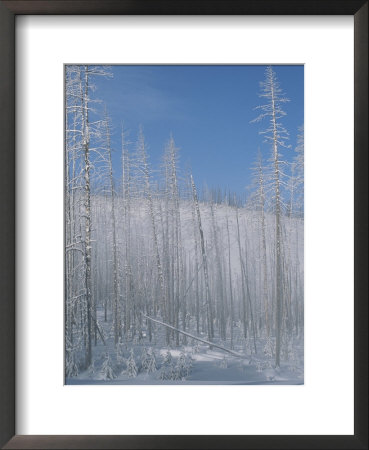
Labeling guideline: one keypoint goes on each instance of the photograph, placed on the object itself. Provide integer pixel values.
(183, 224)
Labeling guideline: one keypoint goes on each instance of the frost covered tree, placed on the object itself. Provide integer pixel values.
(81, 132)
(261, 200)
(151, 361)
(116, 301)
(208, 301)
(276, 135)
(144, 359)
(126, 204)
(167, 358)
(183, 367)
(144, 170)
(107, 371)
(132, 370)
(175, 252)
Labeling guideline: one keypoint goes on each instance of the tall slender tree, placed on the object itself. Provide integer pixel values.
(208, 301)
(276, 135)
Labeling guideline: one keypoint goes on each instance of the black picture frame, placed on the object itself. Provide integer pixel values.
(8, 11)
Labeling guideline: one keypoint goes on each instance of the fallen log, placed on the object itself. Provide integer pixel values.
(211, 344)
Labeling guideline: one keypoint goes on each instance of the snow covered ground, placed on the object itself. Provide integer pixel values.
(193, 363)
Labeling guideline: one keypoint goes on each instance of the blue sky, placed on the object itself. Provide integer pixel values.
(207, 109)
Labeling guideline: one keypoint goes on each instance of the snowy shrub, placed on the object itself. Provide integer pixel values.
(175, 372)
(182, 369)
(131, 366)
(166, 370)
(144, 359)
(167, 358)
(163, 374)
(107, 371)
(189, 360)
(151, 362)
(169, 373)
(195, 348)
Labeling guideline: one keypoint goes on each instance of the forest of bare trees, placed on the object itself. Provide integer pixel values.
(159, 270)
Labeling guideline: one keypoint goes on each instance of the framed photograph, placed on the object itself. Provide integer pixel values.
(189, 180)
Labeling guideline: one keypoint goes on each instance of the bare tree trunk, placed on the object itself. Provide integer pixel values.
(177, 250)
(230, 284)
(116, 302)
(126, 191)
(219, 276)
(150, 204)
(278, 235)
(245, 270)
(204, 263)
(87, 215)
(276, 135)
(263, 246)
(244, 315)
(196, 272)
